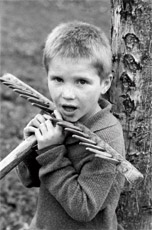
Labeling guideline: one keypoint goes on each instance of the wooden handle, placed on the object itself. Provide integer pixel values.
(132, 174)
(16, 156)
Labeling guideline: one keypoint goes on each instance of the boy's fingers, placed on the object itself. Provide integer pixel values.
(40, 118)
(43, 128)
(36, 121)
(46, 116)
(38, 134)
(57, 115)
(49, 125)
(28, 131)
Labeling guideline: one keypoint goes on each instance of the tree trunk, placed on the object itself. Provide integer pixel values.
(131, 95)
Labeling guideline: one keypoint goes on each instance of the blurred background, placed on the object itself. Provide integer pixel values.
(25, 25)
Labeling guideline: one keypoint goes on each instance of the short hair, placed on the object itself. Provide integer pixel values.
(77, 40)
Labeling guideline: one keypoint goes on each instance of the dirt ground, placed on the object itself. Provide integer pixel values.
(24, 27)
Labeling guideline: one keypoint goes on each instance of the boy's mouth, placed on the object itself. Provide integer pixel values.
(69, 108)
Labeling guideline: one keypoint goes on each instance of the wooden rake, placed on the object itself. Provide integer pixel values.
(88, 139)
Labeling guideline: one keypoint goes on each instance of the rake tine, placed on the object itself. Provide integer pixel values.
(10, 85)
(77, 132)
(66, 124)
(7, 83)
(24, 96)
(98, 152)
(37, 101)
(53, 119)
(92, 146)
(103, 155)
(2, 80)
(15, 88)
(24, 93)
(42, 107)
(84, 139)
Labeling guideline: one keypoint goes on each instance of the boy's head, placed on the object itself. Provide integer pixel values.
(79, 40)
(77, 57)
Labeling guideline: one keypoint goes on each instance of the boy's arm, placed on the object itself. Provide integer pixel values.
(81, 195)
(28, 170)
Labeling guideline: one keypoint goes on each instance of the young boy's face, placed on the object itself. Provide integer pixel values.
(75, 88)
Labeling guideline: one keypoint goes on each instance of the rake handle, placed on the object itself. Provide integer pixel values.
(16, 156)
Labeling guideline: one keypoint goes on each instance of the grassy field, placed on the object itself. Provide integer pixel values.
(24, 27)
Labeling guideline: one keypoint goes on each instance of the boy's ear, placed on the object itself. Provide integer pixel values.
(106, 83)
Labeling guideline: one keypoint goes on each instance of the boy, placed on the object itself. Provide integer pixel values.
(77, 189)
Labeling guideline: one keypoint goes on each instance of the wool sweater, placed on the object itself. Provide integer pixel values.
(77, 191)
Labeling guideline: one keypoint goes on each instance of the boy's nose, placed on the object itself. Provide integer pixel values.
(68, 93)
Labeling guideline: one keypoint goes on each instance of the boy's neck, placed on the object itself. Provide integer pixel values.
(105, 106)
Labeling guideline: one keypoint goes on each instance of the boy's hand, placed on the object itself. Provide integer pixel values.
(33, 125)
(49, 134)
(46, 133)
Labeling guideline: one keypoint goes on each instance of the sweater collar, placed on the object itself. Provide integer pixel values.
(101, 119)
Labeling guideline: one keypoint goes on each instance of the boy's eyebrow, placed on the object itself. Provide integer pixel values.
(52, 73)
(81, 77)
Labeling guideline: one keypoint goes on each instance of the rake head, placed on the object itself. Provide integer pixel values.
(27, 92)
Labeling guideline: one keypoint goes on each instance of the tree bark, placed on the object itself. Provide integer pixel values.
(131, 96)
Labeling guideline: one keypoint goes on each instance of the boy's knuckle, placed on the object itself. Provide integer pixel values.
(26, 129)
(40, 139)
(37, 115)
(47, 139)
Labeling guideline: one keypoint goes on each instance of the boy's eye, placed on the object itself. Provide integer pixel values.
(58, 79)
(82, 82)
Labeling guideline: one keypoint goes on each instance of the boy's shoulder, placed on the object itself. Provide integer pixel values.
(103, 119)
(108, 128)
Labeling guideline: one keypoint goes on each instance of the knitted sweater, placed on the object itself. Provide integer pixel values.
(77, 190)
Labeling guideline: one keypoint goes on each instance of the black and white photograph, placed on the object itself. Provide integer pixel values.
(75, 115)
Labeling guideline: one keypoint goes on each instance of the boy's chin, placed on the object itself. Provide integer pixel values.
(70, 119)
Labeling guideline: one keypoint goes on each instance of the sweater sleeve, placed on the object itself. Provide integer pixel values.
(28, 170)
(81, 195)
